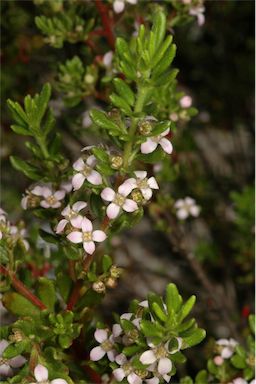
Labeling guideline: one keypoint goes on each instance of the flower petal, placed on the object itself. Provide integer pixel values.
(226, 353)
(132, 378)
(117, 330)
(148, 147)
(164, 365)
(44, 204)
(61, 225)
(194, 211)
(97, 353)
(182, 214)
(89, 247)
(17, 361)
(100, 335)
(121, 359)
(77, 221)
(108, 194)
(166, 145)
(66, 211)
(79, 165)
(119, 374)
(75, 237)
(130, 205)
(148, 357)
(147, 193)
(126, 188)
(141, 174)
(59, 195)
(94, 178)
(152, 183)
(58, 381)
(111, 355)
(91, 161)
(46, 192)
(79, 205)
(164, 133)
(3, 345)
(86, 225)
(153, 380)
(37, 191)
(113, 211)
(41, 373)
(5, 370)
(99, 236)
(118, 6)
(77, 181)
(126, 316)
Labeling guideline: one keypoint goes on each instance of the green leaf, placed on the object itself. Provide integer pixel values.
(173, 298)
(165, 62)
(124, 91)
(97, 206)
(15, 349)
(252, 323)
(120, 103)
(160, 128)
(197, 336)
(19, 305)
(30, 171)
(131, 350)
(20, 130)
(238, 362)
(106, 263)
(150, 329)
(43, 100)
(46, 292)
(186, 308)
(159, 312)
(103, 121)
(201, 377)
(158, 30)
(100, 154)
(48, 237)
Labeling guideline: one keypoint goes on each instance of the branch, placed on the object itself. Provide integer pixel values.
(21, 288)
(107, 22)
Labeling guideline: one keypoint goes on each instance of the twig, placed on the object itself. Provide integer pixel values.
(106, 21)
(21, 288)
(74, 295)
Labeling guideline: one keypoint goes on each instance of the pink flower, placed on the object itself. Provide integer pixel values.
(118, 201)
(144, 184)
(87, 236)
(228, 347)
(119, 5)
(85, 172)
(41, 376)
(107, 58)
(7, 365)
(125, 370)
(186, 207)
(152, 142)
(218, 360)
(106, 346)
(186, 102)
(198, 12)
(50, 199)
(71, 215)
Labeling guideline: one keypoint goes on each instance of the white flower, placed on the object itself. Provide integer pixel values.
(7, 365)
(228, 347)
(152, 142)
(87, 121)
(19, 234)
(186, 101)
(85, 172)
(118, 201)
(50, 199)
(125, 370)
(87, 236)
(144, 184)
(107, 58)
(71, 215)
(159, 355)
(198, 12)
(186, 207)
(106, 346)
(41, 376)
(119, 5)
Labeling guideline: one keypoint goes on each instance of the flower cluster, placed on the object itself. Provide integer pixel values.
(186, 207)
(41, 376)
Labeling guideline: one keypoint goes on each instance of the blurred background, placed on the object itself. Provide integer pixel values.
(211, 256)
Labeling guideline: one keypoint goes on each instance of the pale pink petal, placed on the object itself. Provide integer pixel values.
(66, 185)
(66, 211)
(77, 221)
(126, 316)
(24, 202)
(147, 193)
(182, 214)
(89, 247)
(79, 165)
(141, 174)
(154, 380)
(130, 205)
(119, 374)
(94, 178)
(148, 357)
(37, 191)
(132, 1)
(226, 353)
(132, 378)
(166, 145)
(186, 102)
(75, 237)
(46, 192)
(113, 211)
(44, 204)
(200, 19)
(222, 342)
(17, 361)
(144, 303)
(121, 359)
(126, 188)
(91, 161)
(179, 203)
(189, 201)
(148, 147)
(58, 381)
(97, 353)
(107, 58)
(1, 235)
(86, 225)
(100, 335)
(77, 181)
(194, 211)
(164, 365)
(56, 205)
(116, 330)
(99, 236)
(152, 183)
(136, 322)
(5, 370)
(239, 380)
(26, 244)
(165, 133)
(61, 225)
(3, 345)
(111, 355)
(118, 6)
(59, 195)
(79, 205)
(41, 373)
(108, 194)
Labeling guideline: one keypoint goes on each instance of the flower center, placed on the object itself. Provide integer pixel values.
(119, 200)
(87, 236)
(141, 373)
(160, 352)
(71, 215)
(132, 335)
(87, 170)
(127, 369)
(51, 200)
(107, 345)
(142, 184)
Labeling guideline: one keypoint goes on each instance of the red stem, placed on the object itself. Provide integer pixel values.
(106, 21)
(74, 296)
(22, 289)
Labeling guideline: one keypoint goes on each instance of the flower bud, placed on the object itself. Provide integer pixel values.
(115, 272)
(145, 127)
(218, 360)
(111, 282)
(17, 336)
(99, 287)
(116, 162)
